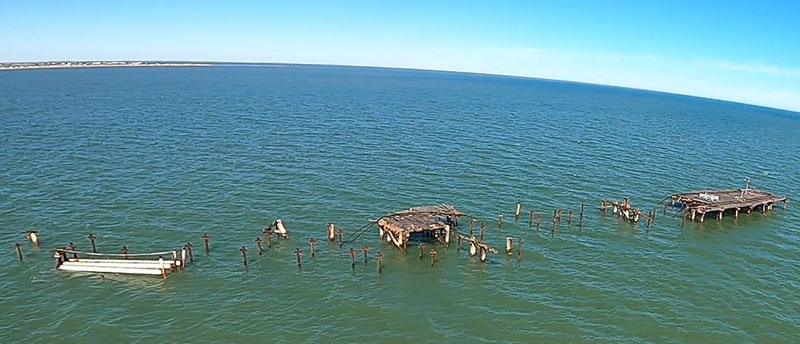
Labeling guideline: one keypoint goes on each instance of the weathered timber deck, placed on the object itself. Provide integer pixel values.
(435, 221)
(720, 201)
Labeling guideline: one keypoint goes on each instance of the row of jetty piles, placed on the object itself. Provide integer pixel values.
(418, 225)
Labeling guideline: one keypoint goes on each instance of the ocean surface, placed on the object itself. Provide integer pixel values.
(152, 158)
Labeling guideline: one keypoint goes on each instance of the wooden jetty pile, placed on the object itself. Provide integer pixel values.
(699, 203)
(436, 221)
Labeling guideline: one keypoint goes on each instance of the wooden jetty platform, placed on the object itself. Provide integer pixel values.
(434, 221)
(699, 203)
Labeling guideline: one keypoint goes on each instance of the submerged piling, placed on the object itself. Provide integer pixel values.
(365, 248)
(188, 247)
(244, 256)
(258, 244)
(580, 224)
(519, 248)
(352, 259)
(483, 228)
(516, 213)
(33, 236)
(471, 224)
(18, 248)
(331, 231)
(206, 238)
(341, 241)
(379, 258)
(530, 220)
(297, 253)
(433, 257)
(124, 252)
(421, 250)
(313, 243)
(500, 221)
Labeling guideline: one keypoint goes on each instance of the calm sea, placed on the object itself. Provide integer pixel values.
(152, 158)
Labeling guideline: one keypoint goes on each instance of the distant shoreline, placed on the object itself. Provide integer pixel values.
(9, 66)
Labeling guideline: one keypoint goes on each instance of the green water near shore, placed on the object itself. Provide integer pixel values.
(153, 158)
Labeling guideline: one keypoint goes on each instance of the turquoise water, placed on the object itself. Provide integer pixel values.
(153, 158)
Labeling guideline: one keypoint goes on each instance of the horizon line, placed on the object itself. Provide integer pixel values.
(218, 62)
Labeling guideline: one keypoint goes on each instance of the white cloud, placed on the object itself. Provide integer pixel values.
(758, 68)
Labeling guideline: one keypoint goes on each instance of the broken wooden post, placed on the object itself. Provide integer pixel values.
(188, 247)
(280, 229)
(516, 213)
(268, 234)
(365, 248)
(483, 228)
(702, 217)
(509, 245)
(580, 225)
(471, 224)
(206, 237)
(258, 244)
(447, 235)
(352, 259)
(719, 215)
(519, 248)
(538, 222)
(472, 248)
(244, 256)
(683, 219)
(483, 255)
(341, 241)
(500, 221)
(91, 238)
(33, 236)
(569, 221)
(530, 220)
(18, 248)
(297, 253)
(124, 252)
(786, 203)
(379, 258)
(421, 250)
(313, 243)
(433, 256)
(331, 231)
(458, 243)
(736, 213)
(649, 219)
(665, 209)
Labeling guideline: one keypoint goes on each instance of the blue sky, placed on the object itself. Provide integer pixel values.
(742, 51)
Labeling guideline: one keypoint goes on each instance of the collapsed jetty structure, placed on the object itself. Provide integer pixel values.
(697, 204)
(435, 221)
(135, 264)
(439, 222)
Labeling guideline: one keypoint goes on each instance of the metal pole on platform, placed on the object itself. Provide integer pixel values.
(91, 238)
